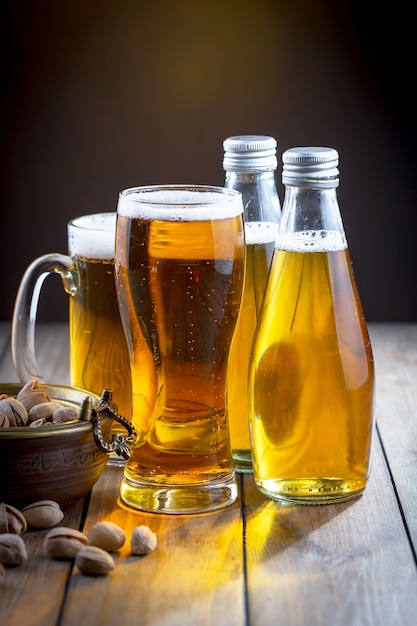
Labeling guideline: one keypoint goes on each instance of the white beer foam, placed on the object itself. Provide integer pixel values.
(179, 205)
(92, 236)
(260, 232)
(312, 241)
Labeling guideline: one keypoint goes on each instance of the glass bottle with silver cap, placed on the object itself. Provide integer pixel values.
(250, 162)
(311, 381)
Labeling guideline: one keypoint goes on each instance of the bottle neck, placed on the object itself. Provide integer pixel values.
(311, 210)
(259, 194)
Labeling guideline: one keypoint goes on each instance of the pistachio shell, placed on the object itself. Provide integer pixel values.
(44, 409)
(64, 543)
(11, 520)
(36, 423)
(64, 414)
(42, 514)
(12, 549)
(33, 385)
(15, 411)
(33, 398)
(94, 560)
(107, 535)
(4, 420)
(33, 393)
(143, 540)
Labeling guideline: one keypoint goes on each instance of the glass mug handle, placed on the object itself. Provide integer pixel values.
(26, 307)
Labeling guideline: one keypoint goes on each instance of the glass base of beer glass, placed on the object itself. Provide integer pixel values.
(242, 460)
(178, 499)
(311, 491)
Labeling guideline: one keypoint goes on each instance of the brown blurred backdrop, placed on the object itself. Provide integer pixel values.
(102, 95)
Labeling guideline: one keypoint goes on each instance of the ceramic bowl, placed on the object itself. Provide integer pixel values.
(60, 463)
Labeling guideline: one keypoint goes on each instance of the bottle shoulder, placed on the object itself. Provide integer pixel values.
(259, 195)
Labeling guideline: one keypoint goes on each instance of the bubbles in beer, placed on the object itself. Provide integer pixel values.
(312, 241)
(258, 233)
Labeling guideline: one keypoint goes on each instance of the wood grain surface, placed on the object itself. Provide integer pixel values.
(258, 562)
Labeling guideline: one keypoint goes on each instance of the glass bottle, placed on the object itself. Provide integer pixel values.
(311, 381)
(250, 163)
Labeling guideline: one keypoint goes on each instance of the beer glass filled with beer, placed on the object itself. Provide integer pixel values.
(179, 272)
(311, 389)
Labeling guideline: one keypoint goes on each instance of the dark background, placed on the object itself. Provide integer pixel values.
(98, 96)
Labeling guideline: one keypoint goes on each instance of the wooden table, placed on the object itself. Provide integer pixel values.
(257, 563)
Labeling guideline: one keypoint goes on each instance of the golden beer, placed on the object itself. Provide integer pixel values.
(311, 377)
(260, 243)
(179, 275)
(99, 358)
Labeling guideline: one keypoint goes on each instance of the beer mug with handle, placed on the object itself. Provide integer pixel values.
(179, 261)
(99, 358)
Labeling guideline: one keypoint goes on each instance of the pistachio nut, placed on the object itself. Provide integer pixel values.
(44, 409)
(12, 549)
(64, 543)
(64, 414)
(143, 540)
(4, 420)
(94, 560)
(36, 423)
(107, 535)
(32, 393)
(43, 514)
(15, 411)
(12, 520)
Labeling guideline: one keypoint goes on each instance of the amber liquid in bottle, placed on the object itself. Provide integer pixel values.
(312, 376)
(259, 253)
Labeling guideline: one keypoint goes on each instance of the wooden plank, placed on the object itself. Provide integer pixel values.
(395, 354)
(195, 575)
(338, 564)
(31, 594)
(52, 353)
(343, 564)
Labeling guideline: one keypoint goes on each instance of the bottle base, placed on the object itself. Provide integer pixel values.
(242, 461)
(178, 499)
(311, 491)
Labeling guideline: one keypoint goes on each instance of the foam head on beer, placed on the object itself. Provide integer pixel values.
(98, 244)
(173, 204)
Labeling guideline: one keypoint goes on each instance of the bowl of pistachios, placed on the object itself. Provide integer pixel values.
(54, 442)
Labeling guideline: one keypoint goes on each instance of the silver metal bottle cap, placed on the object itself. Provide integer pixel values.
(314, 167)
(245, 153)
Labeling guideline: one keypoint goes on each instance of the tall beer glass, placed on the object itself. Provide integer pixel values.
(99, 358)
(179, 262)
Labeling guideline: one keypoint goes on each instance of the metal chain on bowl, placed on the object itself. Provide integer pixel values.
(119, 444)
